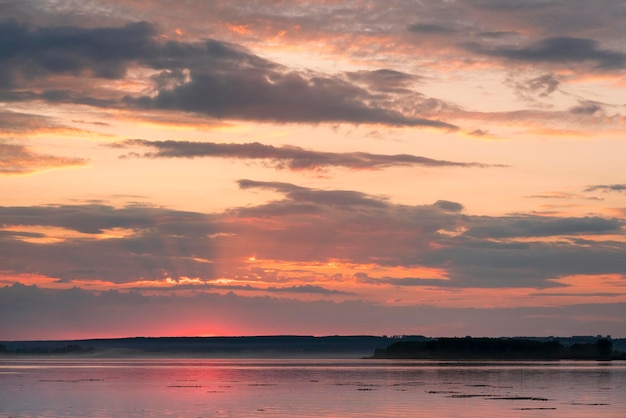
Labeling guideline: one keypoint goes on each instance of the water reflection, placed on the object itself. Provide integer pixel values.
(143, 387)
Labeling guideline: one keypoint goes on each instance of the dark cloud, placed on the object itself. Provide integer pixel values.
(542, 86)
(309, 226)
(513, 5)
(104, 52)
(306, 289)
(286, 157)
(498, 34)
(557, 50)
(481, 263)
(306, 225)
(449, 206)
(158, 242)
(402, 281)
(478, 133)
(18, 159)
(529, 226)
(277, 95)
(94, 219)
(364, 229)
(209, 286)
(208, 77)
(606, 188)
(29, 311)
(431, 29)
(384, 80)
(345, 198)
(586, 107)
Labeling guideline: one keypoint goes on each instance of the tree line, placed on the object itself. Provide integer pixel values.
(497, 348)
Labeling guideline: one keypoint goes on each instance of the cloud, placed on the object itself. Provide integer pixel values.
(18, 159)
(586, 107)
(305, 226)
(526, 226)
(30, 313)
(306, 289)
(475, 251)
(401, 281)
(268, 93)
(206, 77)
(17, 124)
(607, 188)
(431, 29)
(513, 5)
(384, 80)
(541, 86)
(480, 263)
(333, 198)
(158, 242)
(285, 157)
(95, 218)
(498, 34)
(557, 50)
(103, 52)
(561, 195)
(449, 206)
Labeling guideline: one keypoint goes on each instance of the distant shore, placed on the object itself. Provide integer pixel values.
(355, 346)
(469, 348)
(278, 346)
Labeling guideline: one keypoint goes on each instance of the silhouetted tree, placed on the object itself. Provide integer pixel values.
(604, 346)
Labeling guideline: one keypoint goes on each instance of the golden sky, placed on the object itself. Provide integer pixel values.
(312, 167)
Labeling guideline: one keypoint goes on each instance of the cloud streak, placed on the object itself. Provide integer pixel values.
(18, 159)
(286, 157)
(557, 50)
(606, 188)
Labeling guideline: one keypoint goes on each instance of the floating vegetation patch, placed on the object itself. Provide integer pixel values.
(409, 384)
(442, 391)
(535, 409)
(71, 380)
(356, 384)
(519, 398)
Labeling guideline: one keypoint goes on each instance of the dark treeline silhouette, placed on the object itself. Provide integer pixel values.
(68, 349)
(498, 348)
(254, 346)
(415, 346)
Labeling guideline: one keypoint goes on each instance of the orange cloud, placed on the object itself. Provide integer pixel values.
(20, 160)
(239, 29)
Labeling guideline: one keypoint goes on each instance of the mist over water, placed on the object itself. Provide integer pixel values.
(183, 387)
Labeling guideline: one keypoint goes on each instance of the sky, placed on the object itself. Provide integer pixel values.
(205, 168)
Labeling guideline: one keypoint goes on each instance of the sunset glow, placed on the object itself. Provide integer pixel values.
(312, 167)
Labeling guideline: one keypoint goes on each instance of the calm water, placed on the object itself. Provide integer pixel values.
(70, 387)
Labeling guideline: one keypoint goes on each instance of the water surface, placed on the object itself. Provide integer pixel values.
(165, 387)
